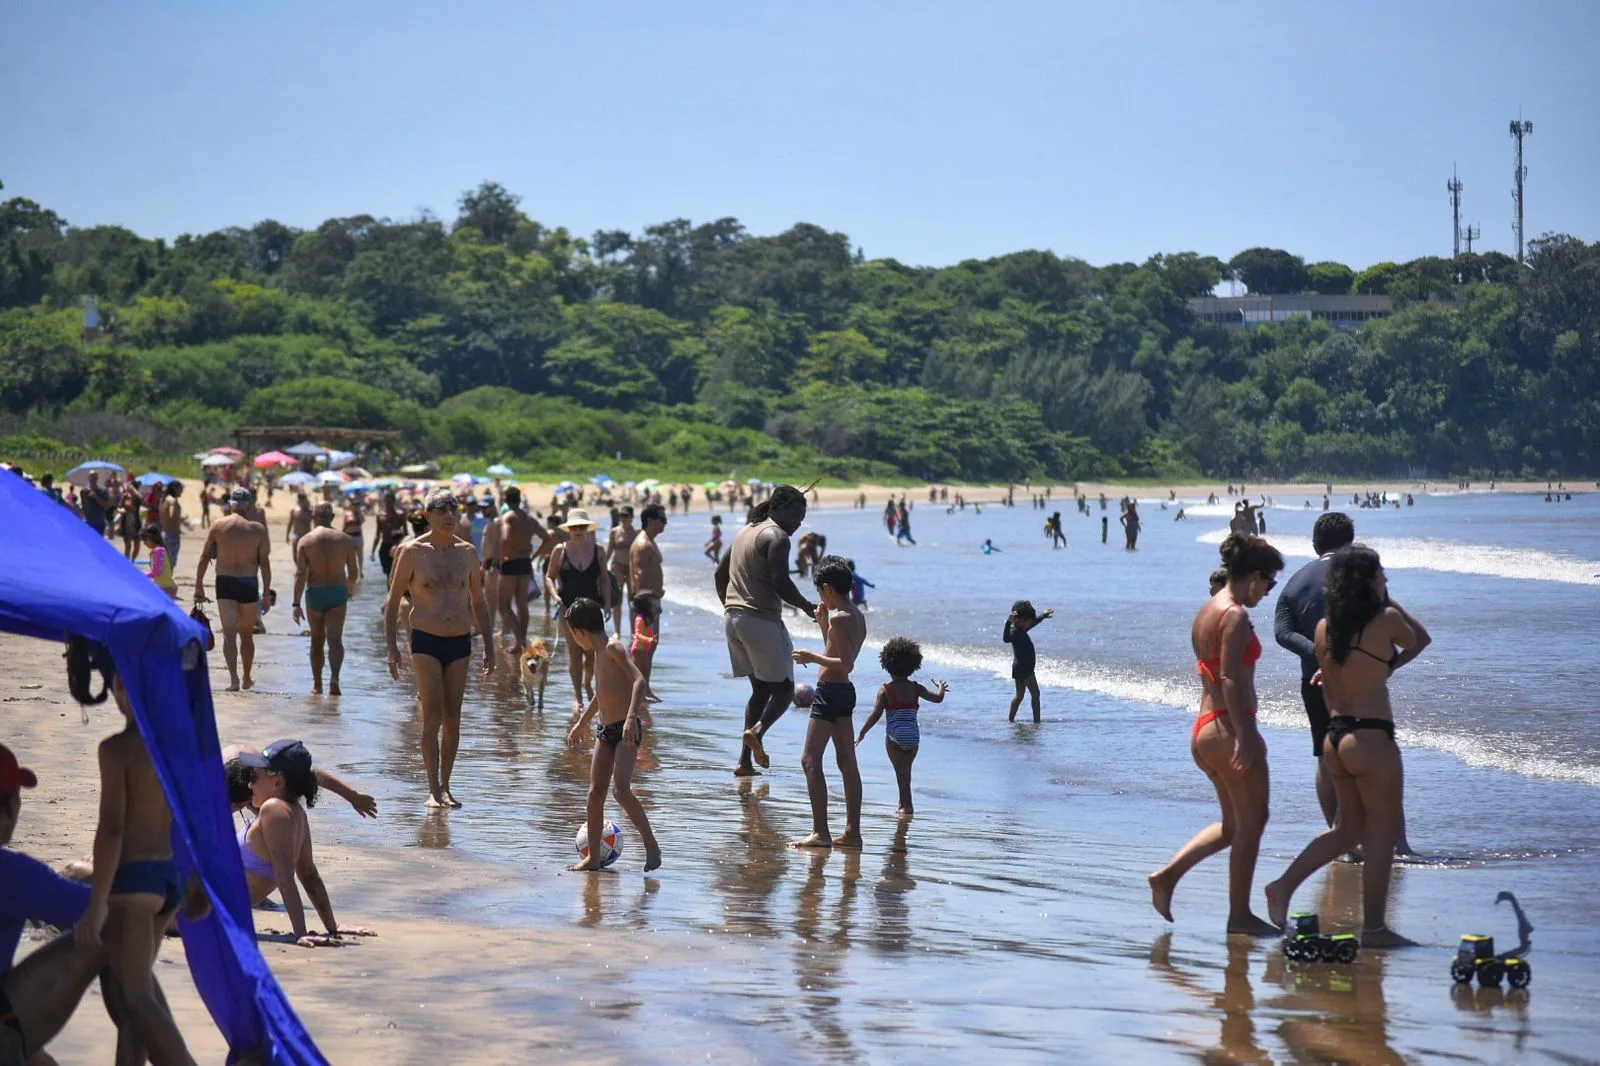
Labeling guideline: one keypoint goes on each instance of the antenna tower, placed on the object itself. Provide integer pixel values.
(1454, 185)
(1519, 130)
(1470, 234)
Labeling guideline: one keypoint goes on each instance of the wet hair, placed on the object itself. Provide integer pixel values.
(85, 657)
(1024, 610)
(1349, 600)
(834, 573)
(302, 786)
(1331, 532)
(239, 778)
(652, 513)
(151, 531)
(900, 657)
(1244, 554)
(587, 615)
(641, 605)
(1219, 578)
(512, 497)
(783, 496)
(716, 520)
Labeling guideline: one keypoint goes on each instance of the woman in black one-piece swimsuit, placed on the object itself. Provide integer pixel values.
(566, 581)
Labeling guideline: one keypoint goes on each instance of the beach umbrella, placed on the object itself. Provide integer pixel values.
(387, 483)
(420, 470)
(601, 479)
(307, 449)
(266, 459)
(464, 479)
(567, 486)
(218, 460)
(298, 478)
(359, 473)
(153, 478)
(501, 470)
(79, 475)
(338, 459)
(225, 450)
(356, 488)
(753, 481)
(648, 484)
(330, 477)
(711, 486)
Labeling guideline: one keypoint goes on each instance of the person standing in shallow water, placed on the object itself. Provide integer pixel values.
(1225, 742)
(833, 707)
(327, 567)
(1364, 639)
(441, 573)
(1022, 619)
(241, 548)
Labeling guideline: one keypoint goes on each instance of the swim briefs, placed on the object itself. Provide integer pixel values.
(446, 649)
(239, 589)
(321, 598)
(610, 733)
(758, 647)
(516, 567)
(834, 701)
(156, 877)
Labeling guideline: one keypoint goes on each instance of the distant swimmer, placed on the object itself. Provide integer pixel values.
(988, 548)
(858, 585)
(1360, 742)
(1181, 516)
(1058, 536)
(1130, 526)
(1225, 741)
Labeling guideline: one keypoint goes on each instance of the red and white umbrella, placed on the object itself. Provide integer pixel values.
(235, 452)
(267, 459)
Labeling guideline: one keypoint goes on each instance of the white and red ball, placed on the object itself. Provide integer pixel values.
(610, 838)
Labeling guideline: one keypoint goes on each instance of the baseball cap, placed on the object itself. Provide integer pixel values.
(241, 497)
(281, 757)
(13, 776)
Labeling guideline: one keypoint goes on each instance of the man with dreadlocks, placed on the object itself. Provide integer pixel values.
(753, 583)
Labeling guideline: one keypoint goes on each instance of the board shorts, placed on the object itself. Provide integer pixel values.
(321, 598)
(171, 541)
(1317, 712)
(446, 649)
(238, 589)
(516, 567)
(834, 701)
(758, 647)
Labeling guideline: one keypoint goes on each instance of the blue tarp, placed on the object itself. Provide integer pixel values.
(57, 577)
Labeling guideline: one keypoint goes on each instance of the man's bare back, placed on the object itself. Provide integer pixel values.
(300, 520)
(329, 558)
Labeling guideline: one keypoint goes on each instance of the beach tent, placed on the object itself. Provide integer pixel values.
(59, 577)
(79, 475)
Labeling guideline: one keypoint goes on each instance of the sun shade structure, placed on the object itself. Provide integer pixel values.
(218, 459)
(501, 470)
(60, 578)
(153, 478)
(79, 475)
(298, 478)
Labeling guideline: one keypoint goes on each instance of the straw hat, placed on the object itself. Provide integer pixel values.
(578, 518)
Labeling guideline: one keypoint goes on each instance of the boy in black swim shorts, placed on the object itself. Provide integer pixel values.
(619, 696)
(843, 630)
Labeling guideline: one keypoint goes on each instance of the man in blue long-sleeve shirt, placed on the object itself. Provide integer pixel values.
(1295, 627)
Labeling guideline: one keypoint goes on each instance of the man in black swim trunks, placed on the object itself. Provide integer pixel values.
(241, 549)
(441, 574)
(517, 553)
(391, 531)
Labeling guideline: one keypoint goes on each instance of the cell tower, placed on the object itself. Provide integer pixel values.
(1454, 185)
(1519, 130)
(1470, 234)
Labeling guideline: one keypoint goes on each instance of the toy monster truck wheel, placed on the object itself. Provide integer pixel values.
(1490, 973)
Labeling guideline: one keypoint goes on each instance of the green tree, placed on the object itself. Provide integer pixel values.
(1270, 271)
(1330, 279)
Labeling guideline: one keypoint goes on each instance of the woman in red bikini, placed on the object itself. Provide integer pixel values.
(1363, 638)
(1225, 742)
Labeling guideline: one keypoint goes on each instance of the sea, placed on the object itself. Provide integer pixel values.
(1010, 918)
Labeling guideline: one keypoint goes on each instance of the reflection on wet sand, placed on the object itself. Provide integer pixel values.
(821, 946)
(892, 931)
(1237, 1041)
(751, 865)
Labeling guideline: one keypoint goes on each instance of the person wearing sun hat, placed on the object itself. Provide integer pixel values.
(578, 569)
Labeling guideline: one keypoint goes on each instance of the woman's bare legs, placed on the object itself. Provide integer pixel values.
(1347, 831)
(1204, 844)
(1374, 760)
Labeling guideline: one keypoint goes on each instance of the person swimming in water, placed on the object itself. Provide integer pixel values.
(1359, 750)
(1225, 742)
(988, 547)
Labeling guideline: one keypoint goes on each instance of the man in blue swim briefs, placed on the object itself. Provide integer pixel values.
(242, 550)
(327, 566)
(441, 574)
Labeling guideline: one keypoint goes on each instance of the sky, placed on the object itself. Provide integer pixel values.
(928, 132)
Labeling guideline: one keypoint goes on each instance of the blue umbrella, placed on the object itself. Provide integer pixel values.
(79, 475)
(153, 478)
(501, 470)
(601, 479)
(357, 487)
(299, 477)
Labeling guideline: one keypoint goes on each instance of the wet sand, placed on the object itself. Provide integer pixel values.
(1009, 917)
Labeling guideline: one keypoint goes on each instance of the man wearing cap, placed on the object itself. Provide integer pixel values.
(242, 551)
(97, 505)
(619, 548)
(441, 574)
(517, 530)
(327, 566)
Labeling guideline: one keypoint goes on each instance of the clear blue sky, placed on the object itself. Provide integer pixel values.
(930, 132)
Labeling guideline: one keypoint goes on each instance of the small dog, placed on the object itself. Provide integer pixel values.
(535, 664)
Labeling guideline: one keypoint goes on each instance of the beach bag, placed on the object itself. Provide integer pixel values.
(203, 622)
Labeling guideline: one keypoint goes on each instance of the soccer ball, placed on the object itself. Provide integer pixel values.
(611, 838)
(804, 696)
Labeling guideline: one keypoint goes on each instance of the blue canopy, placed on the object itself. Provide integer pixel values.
(153, 478)
(58, 577)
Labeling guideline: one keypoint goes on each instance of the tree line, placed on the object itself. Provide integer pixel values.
(696, 347)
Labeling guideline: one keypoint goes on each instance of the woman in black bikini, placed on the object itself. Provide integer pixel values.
(1364, 638)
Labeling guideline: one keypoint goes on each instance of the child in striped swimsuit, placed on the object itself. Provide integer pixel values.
(897, 701)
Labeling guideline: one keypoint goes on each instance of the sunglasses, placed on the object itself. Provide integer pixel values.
(1272, 583)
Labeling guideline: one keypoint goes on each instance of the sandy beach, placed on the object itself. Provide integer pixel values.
(741, 950)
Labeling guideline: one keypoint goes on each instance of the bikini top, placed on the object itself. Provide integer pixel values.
(1355, 645)
(1211, 669)
(253, 863)
(892, 703)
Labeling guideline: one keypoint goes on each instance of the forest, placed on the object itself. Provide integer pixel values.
(698, 348)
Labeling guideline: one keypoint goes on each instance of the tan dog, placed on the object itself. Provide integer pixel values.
(535, 665)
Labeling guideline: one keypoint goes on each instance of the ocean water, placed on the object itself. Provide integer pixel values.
(1011, 915)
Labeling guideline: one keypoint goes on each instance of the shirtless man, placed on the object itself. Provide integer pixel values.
(489, 553)
(440, 572)
(832, 710)
(172, 521)
(808, 549)
(354, 517)
(327, 566)
(517, 530)
(391, 531)
(241, 549)
(299, 523)
(646, 583)
(753, 583)
(617, 552)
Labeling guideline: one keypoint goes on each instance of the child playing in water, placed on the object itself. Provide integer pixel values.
(858, 585)
(619, 695)
(714, 545)
(843, 630)
(160, 565)
(1023, 617)
(645, 638)
(135, 888)
(901, 658)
